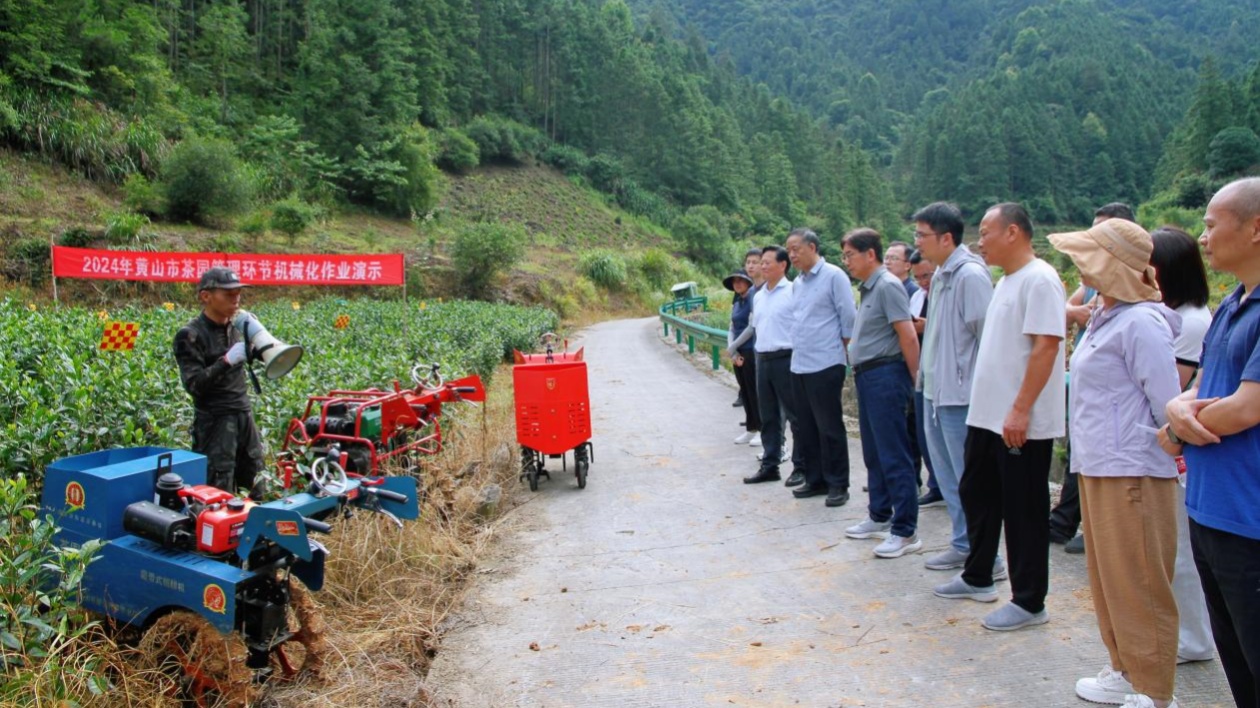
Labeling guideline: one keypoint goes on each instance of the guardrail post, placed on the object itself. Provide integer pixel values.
(691, 344)
(677, 335)
(717, 358)
(666, 324)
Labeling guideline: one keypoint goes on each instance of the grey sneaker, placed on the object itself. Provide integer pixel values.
(948, 559)
(1011, 617)
(868, 529)
(958, 589)
(999, 569)
(896, 546)
(1110, 686)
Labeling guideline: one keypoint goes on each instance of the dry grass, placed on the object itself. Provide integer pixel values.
(388, 591)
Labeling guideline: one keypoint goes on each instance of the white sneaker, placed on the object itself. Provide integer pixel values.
(1138, 700)
(744, 437)
(895, 546)
(756, 440)
(1109, 687)
(868, 529)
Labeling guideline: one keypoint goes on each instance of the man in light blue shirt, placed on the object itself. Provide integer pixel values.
(822, 297)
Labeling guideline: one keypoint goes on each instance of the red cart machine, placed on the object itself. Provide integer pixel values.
(553, 412)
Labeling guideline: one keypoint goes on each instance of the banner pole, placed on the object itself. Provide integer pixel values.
(406, 315)
(52, 265)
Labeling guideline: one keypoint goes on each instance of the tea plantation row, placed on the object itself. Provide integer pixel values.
(60, 394)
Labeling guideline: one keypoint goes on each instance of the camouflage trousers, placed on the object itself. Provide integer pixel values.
(232, 447)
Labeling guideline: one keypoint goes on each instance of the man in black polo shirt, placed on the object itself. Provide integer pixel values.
(211, 356)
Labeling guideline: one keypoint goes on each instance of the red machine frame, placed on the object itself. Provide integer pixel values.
(553, 411)
(402, 410)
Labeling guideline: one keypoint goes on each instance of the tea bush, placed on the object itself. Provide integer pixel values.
(39, 586)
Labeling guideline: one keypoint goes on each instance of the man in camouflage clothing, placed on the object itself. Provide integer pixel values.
(211, 354)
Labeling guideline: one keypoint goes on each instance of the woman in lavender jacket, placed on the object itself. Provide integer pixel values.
(1123, 373)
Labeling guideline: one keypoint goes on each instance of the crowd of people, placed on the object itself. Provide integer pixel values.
(969, 379)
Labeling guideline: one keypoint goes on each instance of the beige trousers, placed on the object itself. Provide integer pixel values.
(1130, 550)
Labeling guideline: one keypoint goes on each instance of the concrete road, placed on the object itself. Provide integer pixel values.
(668, 582)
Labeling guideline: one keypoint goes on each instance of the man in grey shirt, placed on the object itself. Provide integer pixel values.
(885, 358)
(822, 298)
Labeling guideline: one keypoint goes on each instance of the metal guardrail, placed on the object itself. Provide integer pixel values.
(707, 336)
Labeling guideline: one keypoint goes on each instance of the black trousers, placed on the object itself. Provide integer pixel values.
(775, 400)
(1005, 488)
(1065, 517)
(232, 447)
(820, 433)
(1229, 566)
(746, 377)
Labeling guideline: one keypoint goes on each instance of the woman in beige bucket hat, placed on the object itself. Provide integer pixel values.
(1123, 373)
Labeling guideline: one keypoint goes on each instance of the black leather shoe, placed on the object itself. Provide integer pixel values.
(808, 491)
(763, 475)
(739, 402)
(1057, 536)
(1075, 546)
(795, 479)
(837, 498)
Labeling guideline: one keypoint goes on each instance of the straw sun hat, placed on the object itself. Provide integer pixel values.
(1115, 257)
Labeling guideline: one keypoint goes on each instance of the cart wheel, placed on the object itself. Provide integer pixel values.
(581, 466)
(197, 663)
(533, 477)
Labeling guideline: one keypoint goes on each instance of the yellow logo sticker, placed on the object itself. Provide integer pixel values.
(76, 498)
(214, 599)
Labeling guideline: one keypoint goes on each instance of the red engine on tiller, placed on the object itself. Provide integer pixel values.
(373, 426)
(221, 520)
(197, 518)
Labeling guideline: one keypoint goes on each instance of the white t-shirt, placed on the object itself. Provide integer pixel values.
(1195, 321)
(1027, 302)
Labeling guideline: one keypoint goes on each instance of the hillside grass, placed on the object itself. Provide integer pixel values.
(563, 219)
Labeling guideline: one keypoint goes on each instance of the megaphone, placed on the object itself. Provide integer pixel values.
(279, 358)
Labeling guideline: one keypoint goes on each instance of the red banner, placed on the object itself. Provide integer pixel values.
(253, 268)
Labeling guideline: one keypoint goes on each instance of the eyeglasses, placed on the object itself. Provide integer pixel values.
(925, 234)
(893, 259)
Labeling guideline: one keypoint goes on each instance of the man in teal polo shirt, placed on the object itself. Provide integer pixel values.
(1219, 424)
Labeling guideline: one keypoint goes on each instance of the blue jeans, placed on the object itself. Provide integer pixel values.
(921, 437)
(884, 394)
(946, 430)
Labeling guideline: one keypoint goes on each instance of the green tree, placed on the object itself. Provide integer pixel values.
(482, 251)
(220, 52)
(1232, 151)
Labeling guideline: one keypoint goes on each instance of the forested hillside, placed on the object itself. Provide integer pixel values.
(723, 121)
(206, 109)
(1062, 104)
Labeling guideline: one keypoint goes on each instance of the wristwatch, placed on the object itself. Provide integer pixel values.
(1172, 436)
